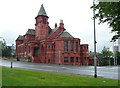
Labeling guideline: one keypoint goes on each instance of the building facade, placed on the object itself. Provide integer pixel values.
(54, 46)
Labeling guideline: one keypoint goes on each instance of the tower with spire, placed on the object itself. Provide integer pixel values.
(42, 25)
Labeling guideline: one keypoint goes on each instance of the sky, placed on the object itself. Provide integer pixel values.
(17, 16)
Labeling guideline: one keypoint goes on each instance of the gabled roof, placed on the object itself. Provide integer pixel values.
(65, 34)
(20, 37)
(51, 32)
(30, 32)
(42, 11)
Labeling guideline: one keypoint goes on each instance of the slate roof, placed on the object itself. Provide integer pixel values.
(65, 34)
(42, 11)
(30, 32)
(20, 37)
(52, 31)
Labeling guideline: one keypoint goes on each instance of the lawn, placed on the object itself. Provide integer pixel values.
(17, 77)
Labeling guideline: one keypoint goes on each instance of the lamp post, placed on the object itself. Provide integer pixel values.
(12, 47)
(95, 67)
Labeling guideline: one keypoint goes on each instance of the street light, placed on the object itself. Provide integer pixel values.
(95, 67)
(12, 47)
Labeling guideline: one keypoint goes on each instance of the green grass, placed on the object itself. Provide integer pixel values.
(17, 77)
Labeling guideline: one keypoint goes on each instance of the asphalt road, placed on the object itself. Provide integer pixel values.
(108, 72)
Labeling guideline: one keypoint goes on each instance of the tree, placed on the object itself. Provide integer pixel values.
(109, 12)
(100, 57)
(117, 55)
(105, 56)
(6, 50)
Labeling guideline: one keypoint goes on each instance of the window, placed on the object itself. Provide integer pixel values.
(76, 46)
(81, 48)
(29, 49)
(36, 51)
(72, 46)
(85, 47)
(76, 59)
(85, 58)
(66, 46)
(48, 60)
(52, 46)
(65, 59)
(72, 59)
(44, 21)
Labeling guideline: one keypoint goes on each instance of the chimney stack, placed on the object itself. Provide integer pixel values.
(61, 24)
(55, 25)
(61, 21)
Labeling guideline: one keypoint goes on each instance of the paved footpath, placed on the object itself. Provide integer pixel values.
(108, 72)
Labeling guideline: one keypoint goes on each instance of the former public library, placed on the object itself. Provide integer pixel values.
(54, 46)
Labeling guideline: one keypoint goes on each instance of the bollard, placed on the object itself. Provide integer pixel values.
(11, 64)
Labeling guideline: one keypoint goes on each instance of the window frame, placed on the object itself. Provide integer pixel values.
(71, 59)
(71, 45)
(77, 59)
(65, 61)
(66, 46)
(77, 46)
(35, 53)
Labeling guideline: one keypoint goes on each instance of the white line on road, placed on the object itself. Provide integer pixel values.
(36, 69)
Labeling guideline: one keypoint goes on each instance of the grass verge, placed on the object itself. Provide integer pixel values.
(17, 77)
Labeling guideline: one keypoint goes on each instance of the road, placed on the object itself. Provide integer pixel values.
(108, 72)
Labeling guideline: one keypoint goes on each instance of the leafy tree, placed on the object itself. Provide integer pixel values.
(109, 12)
(6, 50)
(105, 55)
(100, 57)
(117, 54)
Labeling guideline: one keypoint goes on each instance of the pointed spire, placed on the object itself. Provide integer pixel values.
(42, 11)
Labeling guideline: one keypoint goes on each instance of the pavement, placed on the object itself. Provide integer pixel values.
(107, 72)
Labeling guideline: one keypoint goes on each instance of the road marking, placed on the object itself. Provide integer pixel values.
(36, 69)
(43, 66)
(90, 70)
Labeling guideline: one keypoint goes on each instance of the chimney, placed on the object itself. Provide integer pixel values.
(55, 25)
(61, 24)
(61, 21)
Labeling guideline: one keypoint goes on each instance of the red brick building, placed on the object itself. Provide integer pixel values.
(54, 46)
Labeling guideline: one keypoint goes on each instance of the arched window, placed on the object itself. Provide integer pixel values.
(35, 51)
